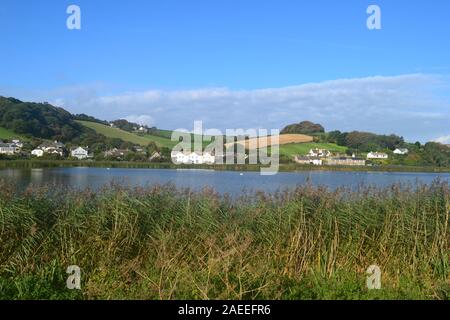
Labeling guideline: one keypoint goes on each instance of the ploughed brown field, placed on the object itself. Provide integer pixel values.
(262, 142)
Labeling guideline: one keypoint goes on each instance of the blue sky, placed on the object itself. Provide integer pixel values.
(236, 63)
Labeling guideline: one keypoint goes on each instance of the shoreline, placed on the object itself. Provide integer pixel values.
(34, 164)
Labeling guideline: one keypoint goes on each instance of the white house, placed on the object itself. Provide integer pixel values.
(308, 160)
(208, 158)
(18, 143)
(320, 153)
(179, 157)
(196, 158)
(54, 151)
(37, 153)
(155, 156)
(401, 151)
(346, 161)
(377, 155)
(54, 147)
(80, 153)
(8, 148)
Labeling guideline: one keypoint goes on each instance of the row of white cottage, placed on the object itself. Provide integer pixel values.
(382, 155)
(323, 153)
(192, 157)
(316, 157)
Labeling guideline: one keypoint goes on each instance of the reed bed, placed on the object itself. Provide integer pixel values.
(167, 243)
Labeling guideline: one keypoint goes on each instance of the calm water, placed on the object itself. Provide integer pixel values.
(223, 181)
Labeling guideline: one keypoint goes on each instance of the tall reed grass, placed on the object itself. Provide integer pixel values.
(167, 243)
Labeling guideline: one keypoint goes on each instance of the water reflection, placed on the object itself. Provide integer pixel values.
(222, 181)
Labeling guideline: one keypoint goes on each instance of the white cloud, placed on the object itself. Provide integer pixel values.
(141, 120)
(409, 105)
(444, 139)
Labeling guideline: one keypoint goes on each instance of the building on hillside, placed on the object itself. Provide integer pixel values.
(308, 160)
(37, 152)
(8, 148)
(319, 153)
(377, 155)
(80, 153)
(140, 129)
(208, 158)
(155, 156)
(116, 153)
(56, 151)
(139, 149)
(346, 161)
(54, 147)
(196, 158)
(401, 151)
(18, 143)
(179, 157)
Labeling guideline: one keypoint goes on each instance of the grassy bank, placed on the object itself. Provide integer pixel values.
(293, 149)
(6, 134)
(284, 167)
(163, 243)
(142, 140)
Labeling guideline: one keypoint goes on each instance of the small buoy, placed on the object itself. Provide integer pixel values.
(241, 174)
(108, 168)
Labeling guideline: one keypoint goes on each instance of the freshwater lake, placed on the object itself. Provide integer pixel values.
(232, 182)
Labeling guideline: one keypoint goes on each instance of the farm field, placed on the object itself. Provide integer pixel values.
(262, 142)
(162, 139)
(8, 134)
(128, 136)
(293, 149)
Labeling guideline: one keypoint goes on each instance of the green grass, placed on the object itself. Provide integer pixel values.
(293, 149)
(6, 134)
(164, 133)
(162, 139)
(142, 140)
(164, 243)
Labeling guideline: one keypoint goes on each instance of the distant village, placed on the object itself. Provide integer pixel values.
(60, 150)
(321, 157)
(316, 157)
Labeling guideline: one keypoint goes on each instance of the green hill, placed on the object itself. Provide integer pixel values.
(40, 120)
(162, 138)
(142, 140)
(6, 134)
